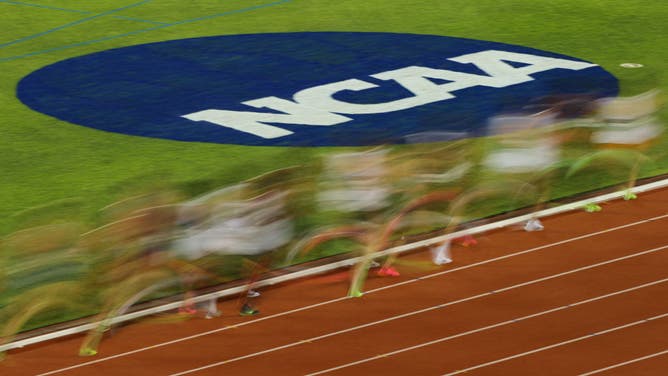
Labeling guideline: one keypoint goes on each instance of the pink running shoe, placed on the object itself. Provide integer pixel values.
(187, 310)
(388, 271)
(466, 241)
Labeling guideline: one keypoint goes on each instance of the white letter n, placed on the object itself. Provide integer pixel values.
(253, 122)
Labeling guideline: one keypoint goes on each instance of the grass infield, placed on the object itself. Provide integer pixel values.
(44, 160)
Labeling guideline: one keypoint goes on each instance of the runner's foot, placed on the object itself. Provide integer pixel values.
(187, 311)
(466, 241)
(388, 271)
(533, 225)
(247, 310)
(630, 196)
(87, 351)
(591, 208)
(442, 260)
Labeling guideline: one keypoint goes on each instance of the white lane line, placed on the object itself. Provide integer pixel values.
(569, 240)
(485, 328)
(635, 323)
(413, 313)
(338, 264)
(625, 363)
(162, 344)
(142, 349)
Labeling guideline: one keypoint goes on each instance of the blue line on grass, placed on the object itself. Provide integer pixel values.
(77, 11)
(84, 43)
(44, 6)
(29, 37)
(140, 20)
(242, 10)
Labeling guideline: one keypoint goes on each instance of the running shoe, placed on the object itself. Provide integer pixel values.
(247, 310)
(592, 208)
(466, 240)
(87, 351)
(187, 311)
(630, 196)
(442, 260)
(533, 224)
(388, 271)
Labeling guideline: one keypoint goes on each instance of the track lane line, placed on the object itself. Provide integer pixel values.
(327, 267)
(625, 363)
(439, 306)
(433, 275)
(614, 329)
(385, 355)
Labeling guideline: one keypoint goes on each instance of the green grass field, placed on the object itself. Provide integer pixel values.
(44, 159)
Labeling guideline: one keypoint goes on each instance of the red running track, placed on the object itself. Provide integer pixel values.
(585, 296)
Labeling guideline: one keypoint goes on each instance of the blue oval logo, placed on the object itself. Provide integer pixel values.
(305, 89)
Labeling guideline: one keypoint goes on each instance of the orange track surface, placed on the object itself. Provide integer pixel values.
(518, 303)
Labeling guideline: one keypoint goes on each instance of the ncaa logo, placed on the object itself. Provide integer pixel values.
(304, 89)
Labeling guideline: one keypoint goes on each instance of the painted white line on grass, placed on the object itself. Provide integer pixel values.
(336, 265)
(625, 363)
(631, 65)
(485, 328)
(413, 313)
(635, 323)
(375, 290)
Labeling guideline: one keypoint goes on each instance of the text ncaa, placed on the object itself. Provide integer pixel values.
(305, 89)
